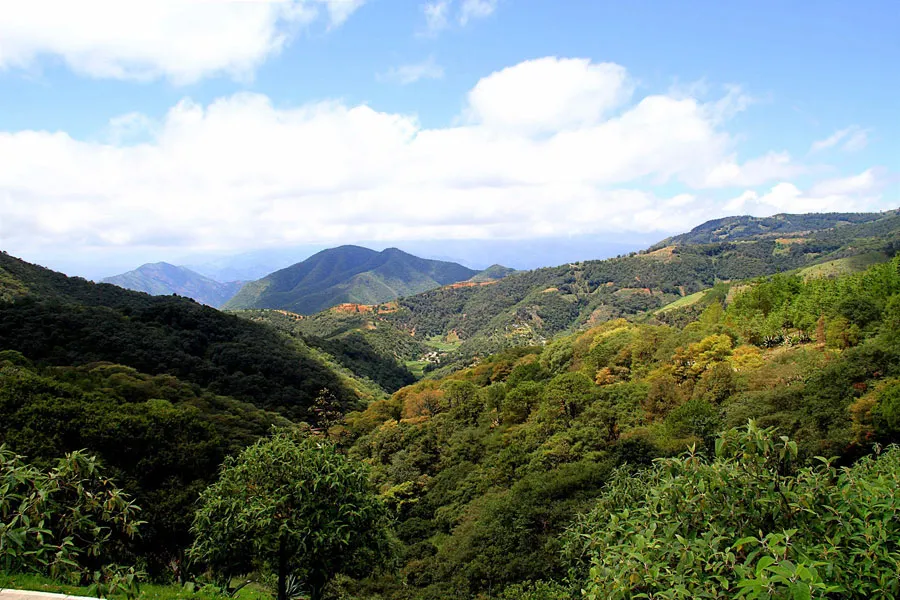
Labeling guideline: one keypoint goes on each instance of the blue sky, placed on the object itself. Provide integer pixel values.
(140, 131)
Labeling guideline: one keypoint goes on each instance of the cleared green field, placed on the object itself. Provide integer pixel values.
(682, 302)
(441, 344)
(417, 367)
(843, 266)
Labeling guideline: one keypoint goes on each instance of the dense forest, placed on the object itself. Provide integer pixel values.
(56, 320)
(598, 454)
(488, 467)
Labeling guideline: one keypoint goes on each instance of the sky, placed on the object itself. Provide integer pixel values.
(135, 131)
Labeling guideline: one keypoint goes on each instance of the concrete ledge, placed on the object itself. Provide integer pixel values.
(7, 594)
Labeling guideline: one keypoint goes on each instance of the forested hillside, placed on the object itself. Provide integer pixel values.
(57, 320)
(534, 306)
(161, 438)
(444, 328)
(488, 468)
(517, 469)
(732, 229)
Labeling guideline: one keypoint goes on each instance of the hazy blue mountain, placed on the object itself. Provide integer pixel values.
(348, 274)
(163, 279)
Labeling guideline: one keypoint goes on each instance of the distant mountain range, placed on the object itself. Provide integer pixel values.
(349, 274)
(533, 307)
(163, 279)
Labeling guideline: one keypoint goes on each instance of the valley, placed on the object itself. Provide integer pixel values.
(501, 423)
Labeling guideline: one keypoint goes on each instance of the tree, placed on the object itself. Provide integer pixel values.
(293, 503)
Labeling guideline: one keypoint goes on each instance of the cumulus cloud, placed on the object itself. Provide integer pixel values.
(181, 40)
(848, 194)
(411, 73)
(850, 139)
(730, 173)
(573, 153)
(549, 94)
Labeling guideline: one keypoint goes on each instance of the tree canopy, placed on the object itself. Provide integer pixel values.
(293, 503)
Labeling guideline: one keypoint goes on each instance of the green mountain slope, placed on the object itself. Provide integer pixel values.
(490, 466)
(159, 437)
(533, 306)
(347, 274)
(57, 320)
(492, 273)
(164, 279)
(730, 229)
(352, 343)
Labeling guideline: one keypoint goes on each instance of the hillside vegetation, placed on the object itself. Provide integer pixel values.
(57, 320)
(487, 468)
(695, 421)
(732, 229)
(532, 307)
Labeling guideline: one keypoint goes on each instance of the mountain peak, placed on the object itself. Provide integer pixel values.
(165, 279)
(348, 274)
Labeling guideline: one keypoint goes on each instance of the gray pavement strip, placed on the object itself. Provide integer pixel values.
(7, 594)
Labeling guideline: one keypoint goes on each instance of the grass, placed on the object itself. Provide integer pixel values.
(682, 302)
(417, 367)
(843, 266)
(442, 345)
(149, 591)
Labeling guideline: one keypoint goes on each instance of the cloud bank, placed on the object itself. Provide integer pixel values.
(547, 147)
(180, 40)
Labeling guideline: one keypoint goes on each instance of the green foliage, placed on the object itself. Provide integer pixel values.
(678, 530)
(75, 322)
(160, 438)
(537, 590)
(358, 345)
(482, 493)
(293, 503)
(532, 307)
(69, 522)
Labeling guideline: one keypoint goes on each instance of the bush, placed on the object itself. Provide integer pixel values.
(678, 531)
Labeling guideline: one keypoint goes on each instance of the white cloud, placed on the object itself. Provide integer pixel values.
(411, 73)
(549, 94)
(476, 9)
(241, 173)
(851, 139)
(856, 193)
(181, 40)
(437, 16)
(772, 166)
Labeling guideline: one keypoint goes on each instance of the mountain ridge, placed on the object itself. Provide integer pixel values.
(163, 279)
(532, 307)
(347, 274)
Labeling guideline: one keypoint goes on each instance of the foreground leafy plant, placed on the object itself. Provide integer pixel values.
(746, 524)
(69, 522)
(293, 503)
